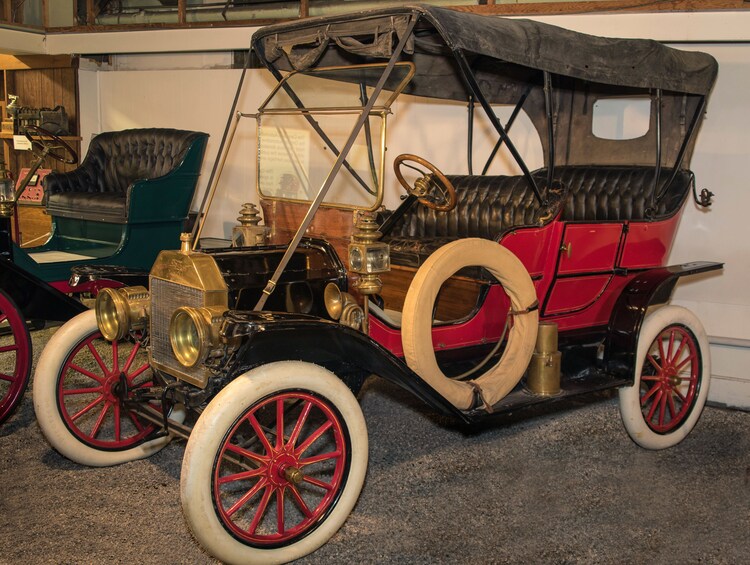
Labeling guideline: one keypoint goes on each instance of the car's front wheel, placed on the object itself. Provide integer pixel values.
(672, 375)
(80, 387)
(274, 464)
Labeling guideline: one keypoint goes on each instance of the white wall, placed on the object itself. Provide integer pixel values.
(193, 99)
(722, 300)
(200, 98)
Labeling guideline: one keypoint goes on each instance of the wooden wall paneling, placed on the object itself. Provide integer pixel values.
(41, 82)
(10, 84)
(68, 96)
(182, 11)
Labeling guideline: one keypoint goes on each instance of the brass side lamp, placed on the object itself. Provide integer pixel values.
(249, 232)
(368, 257)
(7, 192)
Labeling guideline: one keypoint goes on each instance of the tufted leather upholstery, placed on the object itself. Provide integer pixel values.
(618, 193)
(487, 206)
(99, 189)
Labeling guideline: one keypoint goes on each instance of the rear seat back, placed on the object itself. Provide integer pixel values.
(600, 194)
(488, 206)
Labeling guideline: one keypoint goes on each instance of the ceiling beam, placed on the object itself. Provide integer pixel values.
(605, 6)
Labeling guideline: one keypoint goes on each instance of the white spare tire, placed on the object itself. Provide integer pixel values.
(416, 331)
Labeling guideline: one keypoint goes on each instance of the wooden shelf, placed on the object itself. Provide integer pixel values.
(63, 137)
(40, 81)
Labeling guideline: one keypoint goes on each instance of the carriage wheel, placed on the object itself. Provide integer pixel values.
(671, 379)
(80, 386)
(15, 356)
(274, 464)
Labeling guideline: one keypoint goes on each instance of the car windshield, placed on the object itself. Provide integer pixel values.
(305, 124)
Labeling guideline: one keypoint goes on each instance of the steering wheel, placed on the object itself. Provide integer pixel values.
(46, 147)
(433, 189)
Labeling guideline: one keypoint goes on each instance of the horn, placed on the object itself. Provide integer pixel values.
(342, 306)
(333, 299)
(298, 298)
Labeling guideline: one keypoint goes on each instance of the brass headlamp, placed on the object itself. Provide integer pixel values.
(118, 310)
(194, 333)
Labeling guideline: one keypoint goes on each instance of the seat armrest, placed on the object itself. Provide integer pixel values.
(167, 197)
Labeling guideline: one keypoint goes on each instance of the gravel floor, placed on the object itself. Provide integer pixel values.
(562, 487)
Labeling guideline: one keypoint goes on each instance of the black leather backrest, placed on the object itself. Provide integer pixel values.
(618, 193)
(485, 207)
(130, 155)
(116, 159)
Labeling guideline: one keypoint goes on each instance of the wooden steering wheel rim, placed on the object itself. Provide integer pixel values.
(448, 185)
(44, 133)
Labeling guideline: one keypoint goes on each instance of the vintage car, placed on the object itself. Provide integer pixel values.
(110, 217)
(479, 294)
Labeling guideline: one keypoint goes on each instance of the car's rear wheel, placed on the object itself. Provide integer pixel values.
(15, 356)
(672, 376)
(274, 464)
(80, 385)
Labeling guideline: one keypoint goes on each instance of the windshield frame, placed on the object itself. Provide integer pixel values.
(380, 147)
(379, 111)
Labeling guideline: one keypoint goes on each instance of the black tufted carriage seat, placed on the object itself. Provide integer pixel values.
(601, 194)
(489, 206)
(118, 162)
(486, 206)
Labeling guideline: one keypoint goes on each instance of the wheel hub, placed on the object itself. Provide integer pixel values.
(670, 377)
(284, 469)
(293, 475)
(115, 387)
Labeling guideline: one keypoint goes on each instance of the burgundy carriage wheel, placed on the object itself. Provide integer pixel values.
(95, 378)
(15, 356)
(670, 379)
(281, 469)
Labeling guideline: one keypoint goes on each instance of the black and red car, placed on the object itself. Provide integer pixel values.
(479, 293)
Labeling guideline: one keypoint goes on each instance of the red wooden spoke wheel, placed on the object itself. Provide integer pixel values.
(672, 376)
(670, 379)
(280, 468)
(96, 377)
(15, 356)
(81, 386)
(274, 464)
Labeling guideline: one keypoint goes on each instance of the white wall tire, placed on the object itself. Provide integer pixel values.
(671, 380)
(212, 486)
(69, 377)
(416, 330)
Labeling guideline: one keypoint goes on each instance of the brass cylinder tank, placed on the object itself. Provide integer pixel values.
(544, 369)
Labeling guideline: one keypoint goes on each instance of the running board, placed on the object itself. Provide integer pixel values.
(522, 397)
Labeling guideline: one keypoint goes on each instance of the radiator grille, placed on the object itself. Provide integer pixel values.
(166, 297)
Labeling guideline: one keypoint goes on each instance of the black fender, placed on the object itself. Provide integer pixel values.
(83, 275)
(35, 298)
(265, 337)
(651, 287)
